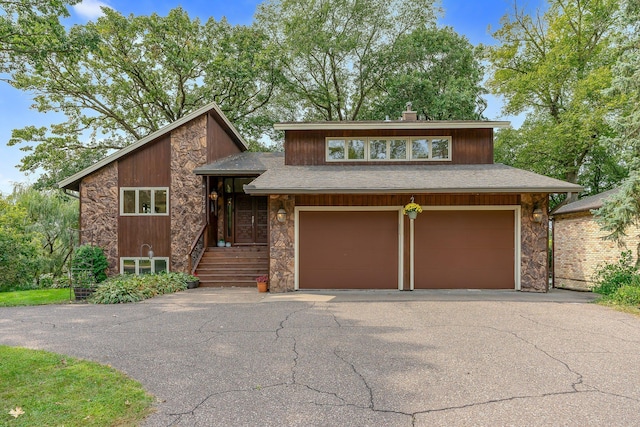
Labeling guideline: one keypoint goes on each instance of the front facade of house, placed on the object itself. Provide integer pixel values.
(579, 245)
(326, 214)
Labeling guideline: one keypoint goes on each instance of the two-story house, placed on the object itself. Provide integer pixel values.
(326, 214)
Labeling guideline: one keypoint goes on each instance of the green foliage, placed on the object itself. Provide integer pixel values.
(18, 248)
(138, 74)
(337, 54)
(34, 297)
(439, 72)
(626, 295)
(89, 266)
(131, 288)
(557, 67)
(55, 390)
(609, 277)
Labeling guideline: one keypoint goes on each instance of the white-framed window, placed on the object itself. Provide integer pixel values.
(144, 201)
(346, 149)
(376, 149)
(143, 265)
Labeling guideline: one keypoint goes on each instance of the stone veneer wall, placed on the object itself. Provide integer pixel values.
(580, 246)
(534, 269)
(282, 245)
(188, 151)
(99, 211)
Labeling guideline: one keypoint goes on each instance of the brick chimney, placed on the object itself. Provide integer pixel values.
(409, 115)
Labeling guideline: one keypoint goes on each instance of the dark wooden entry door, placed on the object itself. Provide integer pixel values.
(251, 219)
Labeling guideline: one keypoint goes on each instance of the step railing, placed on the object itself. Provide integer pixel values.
(196, 251)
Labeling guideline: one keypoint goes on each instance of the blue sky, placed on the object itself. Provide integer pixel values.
(468, 17)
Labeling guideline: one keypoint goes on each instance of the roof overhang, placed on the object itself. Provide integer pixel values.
(73, 181)
(392, 125)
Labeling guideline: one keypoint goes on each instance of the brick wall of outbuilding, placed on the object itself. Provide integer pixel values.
(579, 247)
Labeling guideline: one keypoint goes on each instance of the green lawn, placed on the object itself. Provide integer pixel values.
(35, 297)
(48, 389)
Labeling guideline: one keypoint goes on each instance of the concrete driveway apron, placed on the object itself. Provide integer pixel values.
(220, 357)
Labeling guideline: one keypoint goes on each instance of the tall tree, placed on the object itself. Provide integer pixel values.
(31, 27)
(439, 71)
(622, 210)
(337, 53)
(143, 72)
(556, 66)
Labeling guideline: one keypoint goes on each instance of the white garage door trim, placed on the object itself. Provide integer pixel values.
(299, 209)
(517, 211)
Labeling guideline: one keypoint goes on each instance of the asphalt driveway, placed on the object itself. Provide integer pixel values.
(432, 358)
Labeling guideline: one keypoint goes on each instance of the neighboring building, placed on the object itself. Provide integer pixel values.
(327, 213)
(579, 245)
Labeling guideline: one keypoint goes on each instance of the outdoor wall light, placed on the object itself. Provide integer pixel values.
(537, 215)
(150, 253)
(214, 201)
(281, 216)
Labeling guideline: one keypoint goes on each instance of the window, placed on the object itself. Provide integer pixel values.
(346, 149)
(138, 265)
(144, 201)
(424, 148)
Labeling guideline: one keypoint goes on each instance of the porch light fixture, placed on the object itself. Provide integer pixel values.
(214, 201)
(150, 253)
(537, 215)
(281, 216)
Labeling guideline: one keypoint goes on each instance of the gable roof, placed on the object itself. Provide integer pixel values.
(74, 180)
(586, 204)
(377, 179)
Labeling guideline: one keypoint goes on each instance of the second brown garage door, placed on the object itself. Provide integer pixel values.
(465, 249)
(348, 250)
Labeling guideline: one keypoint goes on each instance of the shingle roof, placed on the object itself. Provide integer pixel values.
(333, 179)
(586, 204)
(245, 163)
(392, 124)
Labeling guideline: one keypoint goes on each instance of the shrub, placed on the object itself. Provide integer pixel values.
(626, 295)
(609, 277)
(130, 288)
(89, 258)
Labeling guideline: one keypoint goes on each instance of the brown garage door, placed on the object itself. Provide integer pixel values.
(348, 250)
(465, 249)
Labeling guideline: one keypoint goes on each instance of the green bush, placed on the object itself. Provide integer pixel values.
(610, 277)
(626, 295)
(89, 258)
(130, 288)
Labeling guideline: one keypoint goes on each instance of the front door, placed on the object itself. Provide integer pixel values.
(251, 220)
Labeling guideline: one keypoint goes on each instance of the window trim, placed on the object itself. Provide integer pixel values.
(137, 198)
(137, 260)
(409, 149)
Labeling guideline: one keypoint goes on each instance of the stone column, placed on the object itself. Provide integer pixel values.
(188, 151)
(99, 212)
(534, 270)
(282, 245)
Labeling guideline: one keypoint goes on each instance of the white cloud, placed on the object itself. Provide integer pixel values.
(90, 9)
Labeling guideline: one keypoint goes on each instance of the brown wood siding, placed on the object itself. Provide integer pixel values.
(468, 146)
(348, 250)
(219, 143)
(465, 249)
(137, 230)
(403, 199)
(147, 167)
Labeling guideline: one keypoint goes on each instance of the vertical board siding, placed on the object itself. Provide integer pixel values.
(402, 199)
(147, 167)
(219, 143)
(468, 146)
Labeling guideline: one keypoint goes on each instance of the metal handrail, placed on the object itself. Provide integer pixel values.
(201, 239)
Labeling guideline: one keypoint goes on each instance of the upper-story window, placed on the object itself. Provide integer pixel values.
(419, 148)
(144, 201)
